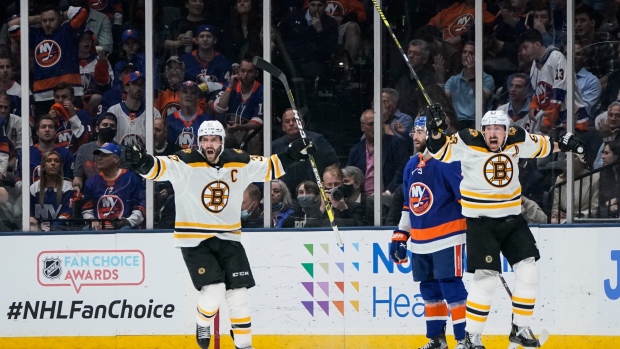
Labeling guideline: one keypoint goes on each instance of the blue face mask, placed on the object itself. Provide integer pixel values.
(245, 214)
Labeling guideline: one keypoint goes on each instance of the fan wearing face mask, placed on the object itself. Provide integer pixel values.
(251, 208)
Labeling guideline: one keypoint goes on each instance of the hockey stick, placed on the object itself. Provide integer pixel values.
(402, 52)
(273, 70)
(544, 334)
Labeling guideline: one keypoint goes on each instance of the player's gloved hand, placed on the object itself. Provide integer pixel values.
(300, 148)
(398, 247)
(569, 142)
(435, 119)
(61, 111)
(138, 160)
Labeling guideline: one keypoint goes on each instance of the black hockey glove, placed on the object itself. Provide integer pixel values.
(138, 160)
(435, 119)
(569, 142)
(300, 148)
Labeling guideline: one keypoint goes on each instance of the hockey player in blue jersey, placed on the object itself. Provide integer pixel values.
(432, 220)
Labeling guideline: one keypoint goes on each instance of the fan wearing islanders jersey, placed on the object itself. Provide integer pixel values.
(209, 185)
(73, 124)
(167, 101)
(205, 64)
(115, 193)
(432, 220)
(183, 124)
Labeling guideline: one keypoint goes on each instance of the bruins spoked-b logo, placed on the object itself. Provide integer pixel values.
(498, 170)
(215, 196)
(51, 268)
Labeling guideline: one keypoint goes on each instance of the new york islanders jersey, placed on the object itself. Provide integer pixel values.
(183, 132)
(51, 208)
(123, 196)
(15, 95)
(208, 198)
(4, 149)
(249, 108)
(56, 56)
(548, 79)
(111, 8)
(75, 132)
(490, 185)
(431, 211)
(131, 124)
(218, 68)
(36, 155)
(12, 128)
(95, 74)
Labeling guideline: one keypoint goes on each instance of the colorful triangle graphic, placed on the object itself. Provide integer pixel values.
(356, 305)
(325, 248)
(325, 267)
(324, 305)
(356, 246)
(340, 285)
(309, 287)
(339, 305)
(356, 265)
(310, 248)
(342, 247)
(340, 266)
(325, 287)
(309, 268)
(309, 305)
(356, 285)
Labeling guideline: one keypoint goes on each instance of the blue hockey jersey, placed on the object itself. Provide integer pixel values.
(250, 109)
(431, 211)
(51, 208)
(36, 155)
(75, 132)
(218, 68)
(184, 133)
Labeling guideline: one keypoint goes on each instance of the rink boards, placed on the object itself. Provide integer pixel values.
(132, 291)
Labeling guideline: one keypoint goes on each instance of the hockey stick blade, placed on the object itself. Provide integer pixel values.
(543, 337)
(260, 63)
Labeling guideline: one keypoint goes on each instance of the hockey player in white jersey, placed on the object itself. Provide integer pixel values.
(209, 184)
(491, 201)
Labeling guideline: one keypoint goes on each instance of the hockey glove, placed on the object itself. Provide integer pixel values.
(569, 142)
(300, 148)
(138, 160)
(435, 119)
(398, 247)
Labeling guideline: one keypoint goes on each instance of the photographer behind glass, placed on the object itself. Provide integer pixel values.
(346, 213)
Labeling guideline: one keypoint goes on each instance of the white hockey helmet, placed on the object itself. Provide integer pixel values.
(496, 117)
(212, 128)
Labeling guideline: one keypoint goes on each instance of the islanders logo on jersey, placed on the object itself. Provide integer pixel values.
(460, 24)
(543, 93)
(63, 138)
(187, 138)
(334, 8)
(171, 108)
(110, 207)
(498, 170)
(98, 5)
(133, 139)
(47, 53)
(420, 198)
(215, 196)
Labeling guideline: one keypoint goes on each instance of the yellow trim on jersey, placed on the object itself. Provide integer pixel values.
(477, 306)
(522, 312)
(269, 170)
(210, 226)
(234, 164)
(476, 317)
(480, 149)
(524, 300)
(154, 170)
(276, 162)
(442, 151)
(491, 205)
(240, 320)
(490, 196)
(199, 164)
(193, 236)
(242, 330)
(162, 171)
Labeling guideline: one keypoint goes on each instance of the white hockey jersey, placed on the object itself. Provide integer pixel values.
(131, 125)
(490, 185)
(207, 198)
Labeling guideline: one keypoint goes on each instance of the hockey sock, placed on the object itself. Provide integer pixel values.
(455, 294)
(209, 300)
(479, 300)
(524, 294)
(238, 303)
(435, 309)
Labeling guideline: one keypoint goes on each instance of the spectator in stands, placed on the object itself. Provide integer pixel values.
(114, 194)
(586, 193)
(165, 209)
(10, 211)
(353, 183)
(542, 23)
(243, 33)
(11, 128)
(95, 70)
(131, 113)
(113, 9)
(611, 93)
(395, 122)
(183, 124)
(456, 20)
(346, 212)
(116, 94)
(46, 134)
(519, 97)
(252, 213)
(349, 14)
(205, 64)
(602, 59)
(101, 27)
(501, 58)
(133, 52)
(137, 20)
(312, 207)
(550, 87)
(167, 101)
(608, 126)
(609, 191)
(4, 154)
(7, 83)
(72, 124)
(161, 147)
(394, 157)
(50, 196)
(460, 89)
(85, 161)
(281, 203)
(240, 106)
(324, 157)
(411, 99)
(589, 85)
(311, 38)
(180, 36)
(512, 20)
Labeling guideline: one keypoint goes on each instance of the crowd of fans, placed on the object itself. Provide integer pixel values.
(87, 101)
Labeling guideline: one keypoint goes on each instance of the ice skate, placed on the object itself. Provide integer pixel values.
(438, 342)
(461, 344)
(473, 341)
(203, 336)
(521, 336)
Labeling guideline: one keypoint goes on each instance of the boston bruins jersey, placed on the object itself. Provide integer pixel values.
(490, 185)
(208, 198)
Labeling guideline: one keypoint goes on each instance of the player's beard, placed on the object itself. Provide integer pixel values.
(212, 155)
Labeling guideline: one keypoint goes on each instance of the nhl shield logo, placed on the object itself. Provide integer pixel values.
(51, 268)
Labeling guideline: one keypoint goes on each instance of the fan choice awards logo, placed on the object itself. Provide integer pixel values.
(327, 286)
(80, 268)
